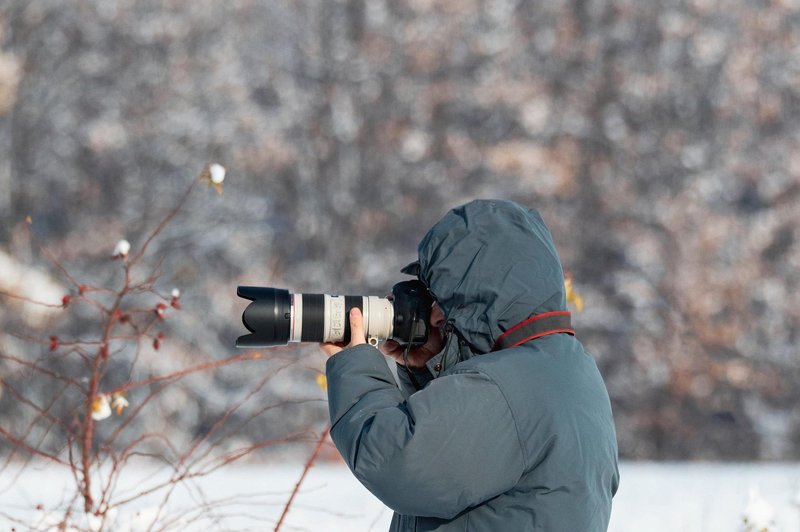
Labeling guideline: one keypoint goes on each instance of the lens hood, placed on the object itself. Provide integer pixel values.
(268, 317)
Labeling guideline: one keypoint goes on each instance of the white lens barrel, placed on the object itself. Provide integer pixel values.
(378, 317)
(324, 317)
(335, 319)
(296, 331)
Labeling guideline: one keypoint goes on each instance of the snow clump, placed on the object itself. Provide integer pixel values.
(217, 173)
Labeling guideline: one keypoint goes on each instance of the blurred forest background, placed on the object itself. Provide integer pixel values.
(659, 140)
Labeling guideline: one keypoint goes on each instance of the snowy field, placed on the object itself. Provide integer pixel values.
(653, 497)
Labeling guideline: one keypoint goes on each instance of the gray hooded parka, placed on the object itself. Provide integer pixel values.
(511, 440)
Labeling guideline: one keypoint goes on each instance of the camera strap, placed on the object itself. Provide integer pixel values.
(410, 373)
(534, 327)
(413, 379)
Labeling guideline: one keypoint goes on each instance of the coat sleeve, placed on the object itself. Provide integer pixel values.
(449, 447)
(423, 377)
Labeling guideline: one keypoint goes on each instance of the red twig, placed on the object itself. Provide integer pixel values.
(306, 469)
(164, 223)
(35, 367)
(96, 373)
(123, 324)
(187, 474)
(12, 295)
(188, 371)
(88, 428)
(25, 447)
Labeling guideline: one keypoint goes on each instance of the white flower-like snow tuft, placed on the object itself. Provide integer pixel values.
(122, 248)
(217, 172)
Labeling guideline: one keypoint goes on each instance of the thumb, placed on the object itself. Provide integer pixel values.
(357, 327)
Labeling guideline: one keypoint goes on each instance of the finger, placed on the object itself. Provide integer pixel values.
(330, 349)
(389, 347)
(357, 327)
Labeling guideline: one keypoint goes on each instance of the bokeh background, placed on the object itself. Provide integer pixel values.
(659, 140)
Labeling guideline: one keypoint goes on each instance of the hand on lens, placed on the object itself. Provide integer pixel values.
(356, 335)
(417, 356)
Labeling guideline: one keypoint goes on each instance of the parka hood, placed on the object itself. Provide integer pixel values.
(490, 264)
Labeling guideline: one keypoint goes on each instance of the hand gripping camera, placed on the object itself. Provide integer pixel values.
(276, 317)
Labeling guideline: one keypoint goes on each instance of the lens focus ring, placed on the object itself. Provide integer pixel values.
(335, 318)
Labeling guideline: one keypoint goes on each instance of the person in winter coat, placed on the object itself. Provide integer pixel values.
(511, 427)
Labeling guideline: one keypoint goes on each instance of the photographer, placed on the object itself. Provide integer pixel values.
(503, 423)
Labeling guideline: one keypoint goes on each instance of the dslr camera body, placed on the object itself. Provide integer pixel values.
(276, 317)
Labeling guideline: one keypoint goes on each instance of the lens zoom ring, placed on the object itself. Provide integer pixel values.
(313, 318)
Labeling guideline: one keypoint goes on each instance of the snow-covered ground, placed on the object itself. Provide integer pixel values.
(653, 497)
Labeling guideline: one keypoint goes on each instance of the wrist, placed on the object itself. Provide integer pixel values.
(416, 369)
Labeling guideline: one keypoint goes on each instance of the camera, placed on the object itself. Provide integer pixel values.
(277, 317)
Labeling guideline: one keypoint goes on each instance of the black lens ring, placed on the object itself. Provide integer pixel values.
(313, 318)
(351, 302)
